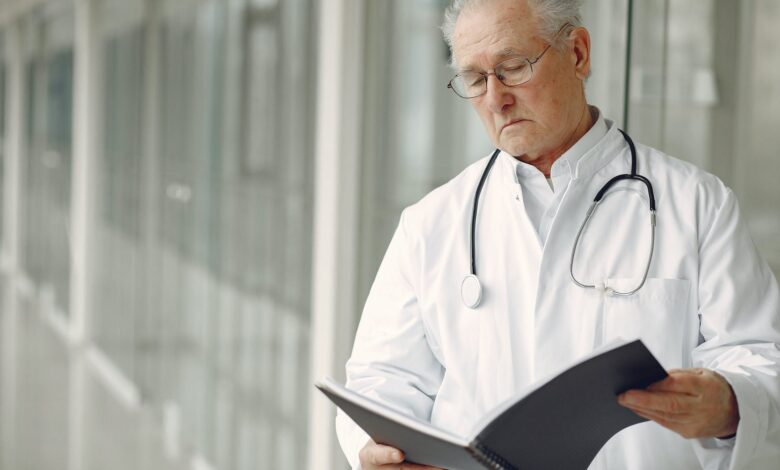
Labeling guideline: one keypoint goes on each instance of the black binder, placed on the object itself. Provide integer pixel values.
(560, 424)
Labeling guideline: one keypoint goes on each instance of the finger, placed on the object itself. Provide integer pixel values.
(676, 427)
(667, 402)
(680, 382)
(378, 454)
(649, 416)
(682, 418)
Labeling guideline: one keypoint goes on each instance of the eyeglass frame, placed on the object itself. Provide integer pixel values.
(495, 71)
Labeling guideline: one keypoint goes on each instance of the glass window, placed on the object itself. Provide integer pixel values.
(46, 198)
(119, 298)
(235, 200)
(266, 239)
(704, 78)
(2, 137)
(191, 76)
(750, 109)
(607, 22)
(417, 133)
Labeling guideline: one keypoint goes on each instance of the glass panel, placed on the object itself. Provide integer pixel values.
(188, 197)
(235, 198)
(648, 77)
(30, 200)
(267, 220)
(704, 80)
(754, 153)
(57, 163)
(46, 198)
(119, 297)
(607, 22)
(673, 90)
(417, 133)
(202, 228)
(2, 138)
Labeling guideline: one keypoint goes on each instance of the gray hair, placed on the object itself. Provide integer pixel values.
(551, 14)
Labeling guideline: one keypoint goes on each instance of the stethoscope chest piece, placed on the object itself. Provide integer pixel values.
(471, 291)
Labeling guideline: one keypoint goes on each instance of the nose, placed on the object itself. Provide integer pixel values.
(498, 98)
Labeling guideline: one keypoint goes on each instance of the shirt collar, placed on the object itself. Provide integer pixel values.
(572, 161)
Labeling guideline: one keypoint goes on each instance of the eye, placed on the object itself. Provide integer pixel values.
(471, 79)
(515, 67)
(475, 81)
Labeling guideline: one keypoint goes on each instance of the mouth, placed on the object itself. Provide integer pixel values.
(513, 122)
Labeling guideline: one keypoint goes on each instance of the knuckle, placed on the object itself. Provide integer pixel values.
(368, 456)
(365, 459)
(674, 406)
(670, 406)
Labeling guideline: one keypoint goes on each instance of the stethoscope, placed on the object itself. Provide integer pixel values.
(471, 287)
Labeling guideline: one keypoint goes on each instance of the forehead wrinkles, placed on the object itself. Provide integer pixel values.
(481, 36)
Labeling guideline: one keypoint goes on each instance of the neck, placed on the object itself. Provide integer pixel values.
(545, 162)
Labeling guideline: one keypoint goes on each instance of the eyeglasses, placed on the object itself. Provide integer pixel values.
(511, 72)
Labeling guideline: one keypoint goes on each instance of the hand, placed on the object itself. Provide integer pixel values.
(690, 402)
(380, 457)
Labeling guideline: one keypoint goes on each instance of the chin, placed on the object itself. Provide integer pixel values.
(515, 149)
(517, 143)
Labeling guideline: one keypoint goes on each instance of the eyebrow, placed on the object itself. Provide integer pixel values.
(505, 53)
(510, 52)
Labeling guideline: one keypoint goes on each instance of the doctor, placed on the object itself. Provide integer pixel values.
(445, 346)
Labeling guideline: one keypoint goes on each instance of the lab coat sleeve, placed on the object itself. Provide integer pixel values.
(739, 313)
(391, 361)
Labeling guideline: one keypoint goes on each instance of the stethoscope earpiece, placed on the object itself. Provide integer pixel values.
(471, 291)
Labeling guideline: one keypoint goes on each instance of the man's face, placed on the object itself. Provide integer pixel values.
(534, 120)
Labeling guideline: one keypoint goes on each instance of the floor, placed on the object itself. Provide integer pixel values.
(56, 413)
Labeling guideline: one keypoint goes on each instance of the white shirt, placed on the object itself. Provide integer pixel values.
(709, 301)
(542, 196)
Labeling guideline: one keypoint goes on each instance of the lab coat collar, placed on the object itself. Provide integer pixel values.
(585, 157)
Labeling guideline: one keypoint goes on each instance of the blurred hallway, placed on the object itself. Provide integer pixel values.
(199, 194)
(56, 413)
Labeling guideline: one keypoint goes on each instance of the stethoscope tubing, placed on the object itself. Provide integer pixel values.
(471, 287)
(485, 174)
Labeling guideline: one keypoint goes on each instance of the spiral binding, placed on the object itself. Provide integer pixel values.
(487, 457)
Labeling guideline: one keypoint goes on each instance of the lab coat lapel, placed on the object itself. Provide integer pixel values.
(509, 339)
(567, 317)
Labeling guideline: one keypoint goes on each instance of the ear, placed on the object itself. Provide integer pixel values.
(580, 39)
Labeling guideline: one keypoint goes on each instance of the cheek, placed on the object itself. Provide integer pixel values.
(548, 102)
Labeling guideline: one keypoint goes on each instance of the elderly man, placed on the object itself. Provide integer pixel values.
(439, 343)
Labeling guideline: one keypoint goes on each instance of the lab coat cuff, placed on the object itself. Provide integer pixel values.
(351, 438)
(753, 407)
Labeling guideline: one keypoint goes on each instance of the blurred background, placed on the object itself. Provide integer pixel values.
(196, 195)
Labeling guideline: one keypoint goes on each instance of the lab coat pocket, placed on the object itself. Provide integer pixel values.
(656, 314)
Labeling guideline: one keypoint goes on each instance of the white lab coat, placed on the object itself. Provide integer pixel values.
(709, 301)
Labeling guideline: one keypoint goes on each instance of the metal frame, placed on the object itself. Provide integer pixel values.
(86, 95)
(14, 143)
(337, 150)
